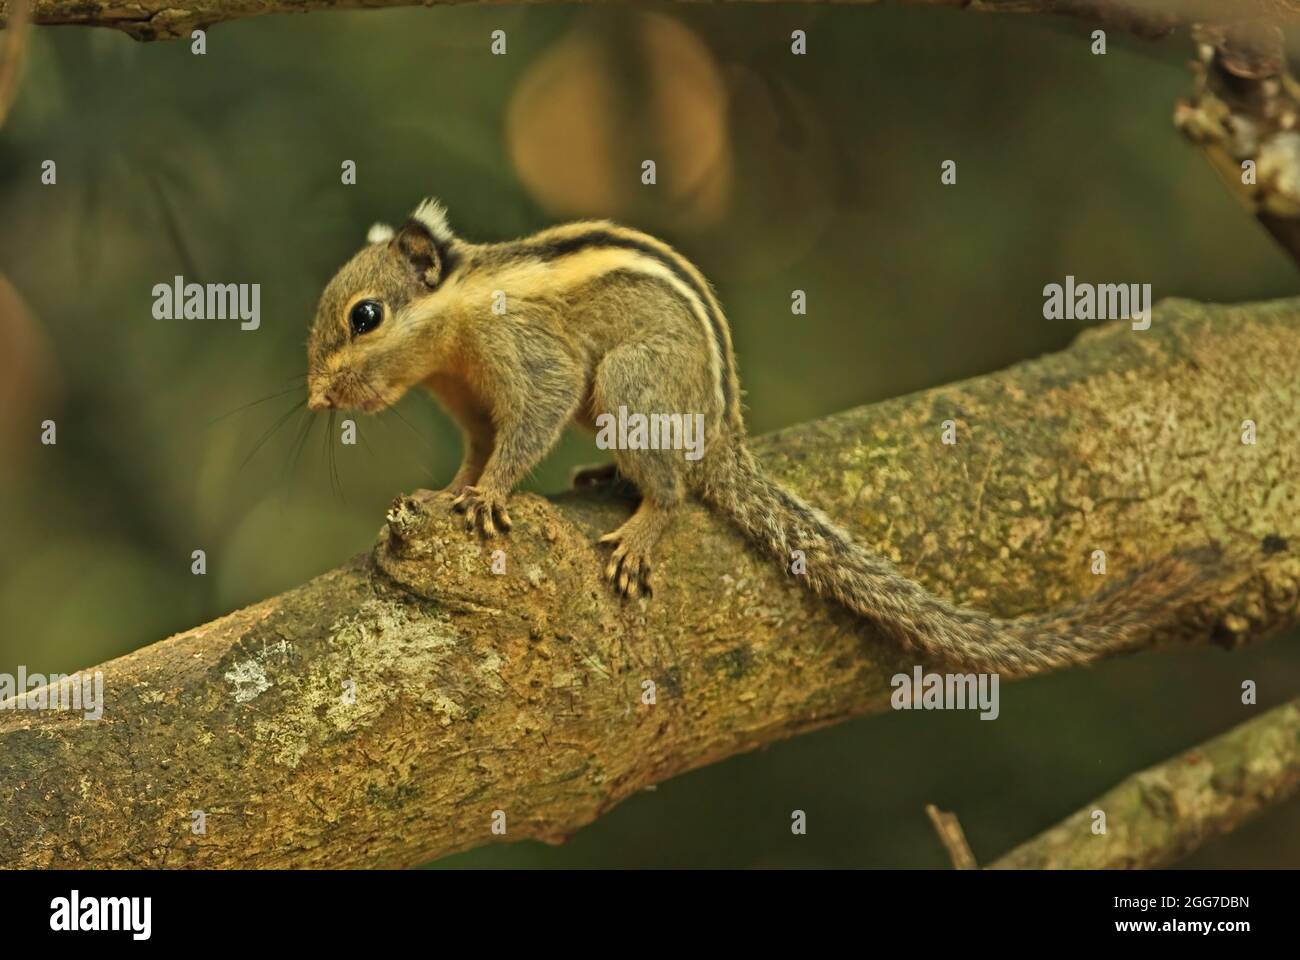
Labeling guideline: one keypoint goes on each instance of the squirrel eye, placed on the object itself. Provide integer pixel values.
(365, 316)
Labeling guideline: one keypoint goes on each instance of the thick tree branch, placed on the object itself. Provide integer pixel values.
(167, 19)
(525, 692)
(1162, 814)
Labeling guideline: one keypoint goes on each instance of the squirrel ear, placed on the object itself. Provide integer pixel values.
(433, 215)
(379, 233)
(418, 248)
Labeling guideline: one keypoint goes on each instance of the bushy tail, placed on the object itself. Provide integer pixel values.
(1119, 617)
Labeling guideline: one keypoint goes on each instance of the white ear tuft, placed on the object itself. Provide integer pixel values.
(379, 233)
(433, 215)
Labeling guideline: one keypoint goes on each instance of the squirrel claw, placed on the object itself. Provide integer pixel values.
(628, 571)
(483, 510)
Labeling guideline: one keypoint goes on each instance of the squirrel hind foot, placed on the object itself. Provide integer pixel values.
(629, 566)
(628, 571)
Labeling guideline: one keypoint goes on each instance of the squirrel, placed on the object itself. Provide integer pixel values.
(517, 339)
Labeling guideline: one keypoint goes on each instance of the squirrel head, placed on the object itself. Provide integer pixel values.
(362, 352)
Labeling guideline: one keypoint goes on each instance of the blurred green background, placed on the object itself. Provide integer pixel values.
(776, 172)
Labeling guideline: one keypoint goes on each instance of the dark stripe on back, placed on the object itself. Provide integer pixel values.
(553, 249)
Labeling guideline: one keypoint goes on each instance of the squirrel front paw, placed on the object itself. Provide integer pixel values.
(485, 510)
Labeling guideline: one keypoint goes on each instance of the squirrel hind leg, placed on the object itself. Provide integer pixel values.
(649, 378)
(658, 478)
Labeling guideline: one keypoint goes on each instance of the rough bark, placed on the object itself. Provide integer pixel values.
(1160, 815)
(523, 693)
(168, 19)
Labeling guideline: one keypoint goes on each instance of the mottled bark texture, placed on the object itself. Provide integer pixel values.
(524, 692)
(1163, 813)
(167, 19)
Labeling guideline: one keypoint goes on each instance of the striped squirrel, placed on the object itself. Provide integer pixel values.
(592, 317)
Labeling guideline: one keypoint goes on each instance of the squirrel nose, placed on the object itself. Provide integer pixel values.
(319, 400)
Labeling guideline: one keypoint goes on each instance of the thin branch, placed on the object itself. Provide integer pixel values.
(953, 838)
(1162, 814)
(168, 19)
(15, 46)
(411, 703)
(1243, 115)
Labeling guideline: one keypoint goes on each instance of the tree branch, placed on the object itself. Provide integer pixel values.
(1243, 116)
(1162, 814)
(953, 838)
(168, 19)
(14, 47)
(526, 693)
